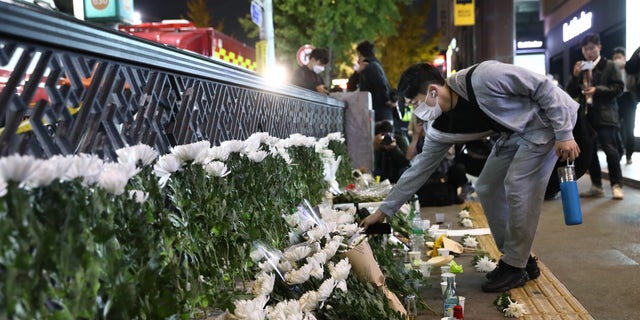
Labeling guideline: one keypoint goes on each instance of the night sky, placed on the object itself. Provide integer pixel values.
(229, 10)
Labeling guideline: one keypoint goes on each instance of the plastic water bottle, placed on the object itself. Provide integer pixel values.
(570, 196)
(450, 298)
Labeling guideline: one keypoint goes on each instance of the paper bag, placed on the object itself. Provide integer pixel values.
(364, 264)
(394, 301)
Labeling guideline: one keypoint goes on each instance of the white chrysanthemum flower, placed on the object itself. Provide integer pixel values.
(166, 165)
(470, 242)
(257, 156)
(138, 196)
(463, 214)
(322, 143)
(285, 266)
(309, 316)
(340, 271)
(285, 310)
(320, 257)
(305, 224)
(291, 219)
(233, 146)
(256, 255)
(218, 153)
(217, 169)
(349, 229)
(335, 136)
(294, 238)
(266, 266)
(281, 151)
(85, 166)
(140, 152)
(317, 270)
(326, 155)
(191, 151)
(251, 309)
(326, 288)
(320, 231)
(298, 276)
(331, 249)
(263, 284)
(294, 254)
(3, 188)
(298, 140)
(339, 216)
(252, 144)
(515, 309)
(17, 167)
(485, 265)
(466, 222)
(342, 285)
(115, 176)
(309, 301)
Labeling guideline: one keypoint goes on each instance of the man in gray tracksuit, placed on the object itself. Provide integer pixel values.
(535, 119)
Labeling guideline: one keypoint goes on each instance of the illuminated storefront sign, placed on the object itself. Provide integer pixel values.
(535, 44)
(576, 26)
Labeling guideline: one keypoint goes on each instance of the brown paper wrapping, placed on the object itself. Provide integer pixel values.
(453, 246)
(367, 269)
(364, 264)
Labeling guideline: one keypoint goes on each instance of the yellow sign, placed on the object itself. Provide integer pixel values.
(261, 55)
(464, 13)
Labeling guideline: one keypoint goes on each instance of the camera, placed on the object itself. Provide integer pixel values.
(387, 139)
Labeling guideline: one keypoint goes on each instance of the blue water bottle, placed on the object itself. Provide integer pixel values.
(570, 196)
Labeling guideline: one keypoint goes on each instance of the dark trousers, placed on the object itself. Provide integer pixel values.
(627, 105)
(607, 139)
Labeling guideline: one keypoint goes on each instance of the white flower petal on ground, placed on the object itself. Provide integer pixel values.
(263, 284)
(17, 167)
(463, 214)
(138, 196)
(257, 156)
(217, 169)
(485, 265)
(139, 152)
(470, 242)
(251, 309)
(515, 309)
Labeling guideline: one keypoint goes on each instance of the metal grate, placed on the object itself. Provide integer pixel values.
(83, 95)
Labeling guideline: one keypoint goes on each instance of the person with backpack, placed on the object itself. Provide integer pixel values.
(535, 120)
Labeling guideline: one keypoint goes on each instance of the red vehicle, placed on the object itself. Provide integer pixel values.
(185, 35)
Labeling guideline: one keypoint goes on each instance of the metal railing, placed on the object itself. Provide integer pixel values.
(68, 86)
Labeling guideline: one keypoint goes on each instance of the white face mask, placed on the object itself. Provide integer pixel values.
(427, 112)
(318, 68)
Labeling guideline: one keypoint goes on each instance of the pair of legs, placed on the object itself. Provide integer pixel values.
(628, 106)
(511, 190)
(607, 139)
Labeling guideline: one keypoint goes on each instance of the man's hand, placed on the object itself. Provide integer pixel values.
(373, 218)
(567, 150)
(322, 89)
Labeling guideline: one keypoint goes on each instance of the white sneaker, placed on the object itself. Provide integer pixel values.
(616, 189)
(594, 192)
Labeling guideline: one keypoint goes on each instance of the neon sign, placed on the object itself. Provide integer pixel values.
(576, 26)
(529, 44)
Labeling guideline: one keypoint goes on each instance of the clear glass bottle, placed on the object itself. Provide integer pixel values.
(412, 307)
(450, 298)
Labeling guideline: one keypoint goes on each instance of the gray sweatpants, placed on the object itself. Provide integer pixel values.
(511, 190)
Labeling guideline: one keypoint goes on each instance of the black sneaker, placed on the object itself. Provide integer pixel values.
(532, 269)
(505, 278)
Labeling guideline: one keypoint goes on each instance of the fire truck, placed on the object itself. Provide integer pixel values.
(185, 35)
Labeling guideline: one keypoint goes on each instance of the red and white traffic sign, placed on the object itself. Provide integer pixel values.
(303, 54)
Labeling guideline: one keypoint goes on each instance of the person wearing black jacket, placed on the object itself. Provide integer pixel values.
(307, 76)
(371, 78)
(596, 82)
